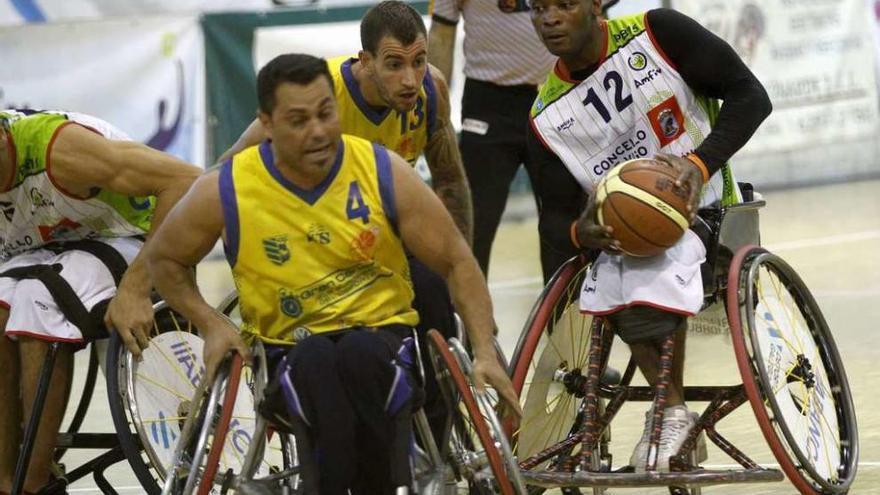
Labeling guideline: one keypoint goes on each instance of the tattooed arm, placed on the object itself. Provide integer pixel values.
(444, 161)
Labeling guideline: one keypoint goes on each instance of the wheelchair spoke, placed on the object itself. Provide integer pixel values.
(163, 387)
(776, 286)
(174, 365)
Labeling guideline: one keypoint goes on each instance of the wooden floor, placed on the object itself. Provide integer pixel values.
(829, 234)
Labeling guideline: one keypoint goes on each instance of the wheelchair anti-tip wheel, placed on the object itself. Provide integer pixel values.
(798, 391)
(473, 450)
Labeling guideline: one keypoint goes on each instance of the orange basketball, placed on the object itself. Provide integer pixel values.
(640, 201)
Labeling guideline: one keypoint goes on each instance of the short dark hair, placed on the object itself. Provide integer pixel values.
(297, 68)
(391, 17)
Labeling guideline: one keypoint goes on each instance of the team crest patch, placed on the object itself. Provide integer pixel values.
(667, 120)
(637, 61)
(289, 303)
(276, 249)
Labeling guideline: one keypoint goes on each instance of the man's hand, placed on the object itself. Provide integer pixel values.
(130, 313)
(690, 177)
(591, 235)
(221, 338)
(487, 370)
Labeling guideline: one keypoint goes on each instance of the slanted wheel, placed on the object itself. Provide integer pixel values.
(792, 373)
(473, 449)
(151, 399)
(549, 366)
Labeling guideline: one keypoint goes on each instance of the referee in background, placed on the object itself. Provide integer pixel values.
(504, 63)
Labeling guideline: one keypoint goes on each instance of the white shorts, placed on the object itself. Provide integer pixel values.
(32, 309)
(670, 281)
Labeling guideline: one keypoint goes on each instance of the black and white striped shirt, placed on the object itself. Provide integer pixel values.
(501, 48)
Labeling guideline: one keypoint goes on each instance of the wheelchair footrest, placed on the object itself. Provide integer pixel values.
(697, 477)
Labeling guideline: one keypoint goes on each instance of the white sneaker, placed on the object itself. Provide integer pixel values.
(639, 457)
(677, 423)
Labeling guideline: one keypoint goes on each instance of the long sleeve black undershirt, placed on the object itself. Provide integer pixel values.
(711, 68)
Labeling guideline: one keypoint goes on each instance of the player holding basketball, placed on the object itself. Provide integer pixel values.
(390, 95)
(639, 86)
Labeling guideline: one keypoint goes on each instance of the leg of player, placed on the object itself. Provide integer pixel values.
(33, 354)
(10, 413)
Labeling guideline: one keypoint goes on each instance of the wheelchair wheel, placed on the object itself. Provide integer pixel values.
(145, 397)
(549, 363)
(792, 373)
(472, 448)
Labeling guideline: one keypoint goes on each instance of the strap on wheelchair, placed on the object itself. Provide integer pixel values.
(90, 324)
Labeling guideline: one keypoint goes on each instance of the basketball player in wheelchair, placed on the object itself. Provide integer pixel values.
(70, 235)
(644, 299)
(345, 305)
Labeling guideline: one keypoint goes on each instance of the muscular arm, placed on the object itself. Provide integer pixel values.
(714, 70)
(253, 135)
(188, 234)
(83, 160)
(443, 249)
(444, 161)
(441, 45)
(561, 200)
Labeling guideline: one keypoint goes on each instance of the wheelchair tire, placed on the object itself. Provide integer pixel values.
(767, 357)
(221, 428)
(555, 340)
(457, 391)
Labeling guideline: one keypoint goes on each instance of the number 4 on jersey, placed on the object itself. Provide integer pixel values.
(355, 206)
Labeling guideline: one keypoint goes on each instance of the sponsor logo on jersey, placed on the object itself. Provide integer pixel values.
(363, 246)
(318, 233)
(38, 200)
(276, 249)
(637, 61)
(565, 125)
(667, 121)
(8, 210)
(629, 148)
(626, 33)
(289, 303)
(649, 76)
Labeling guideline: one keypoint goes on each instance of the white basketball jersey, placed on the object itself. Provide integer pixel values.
(634, 105)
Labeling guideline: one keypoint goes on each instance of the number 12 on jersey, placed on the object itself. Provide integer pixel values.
(355, 206)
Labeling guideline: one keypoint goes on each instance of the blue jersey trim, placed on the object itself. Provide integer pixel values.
(309, 196)
(230, 212)
(386, 184)
(355, 91)
(431, 92)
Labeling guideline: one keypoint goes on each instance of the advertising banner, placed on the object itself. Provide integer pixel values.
(817, 61)
(145, 76)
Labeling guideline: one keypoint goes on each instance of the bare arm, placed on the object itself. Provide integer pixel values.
(441, 47)
(253, 135)
(443, 249)
(83, 160)
(190, 231)
(444, 161)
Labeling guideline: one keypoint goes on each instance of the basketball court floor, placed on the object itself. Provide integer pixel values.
(829, 234)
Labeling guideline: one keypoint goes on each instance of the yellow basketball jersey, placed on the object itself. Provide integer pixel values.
(406, 134)
(324, 259)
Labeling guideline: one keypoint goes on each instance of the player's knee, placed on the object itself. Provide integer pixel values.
(644, 324)
(362, 350)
